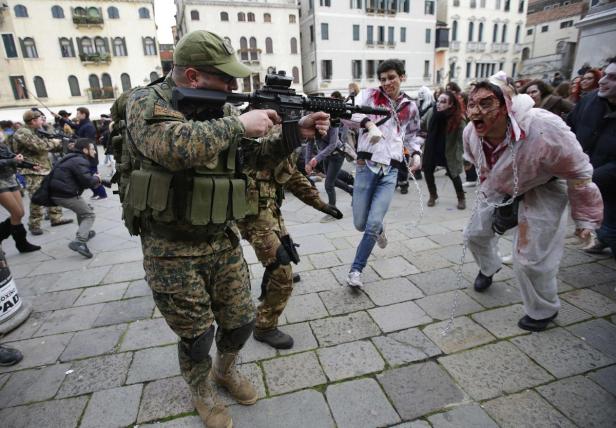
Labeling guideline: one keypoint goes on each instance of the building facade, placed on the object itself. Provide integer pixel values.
(265, 34)
(597, 40)
(344, 41)
(75, 52)
(485, 36)
(551, 38)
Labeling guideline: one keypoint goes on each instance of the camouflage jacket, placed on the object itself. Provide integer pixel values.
(167, 137)
(35, 150)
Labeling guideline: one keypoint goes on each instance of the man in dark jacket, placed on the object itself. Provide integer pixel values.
(593, 120)
(84, 128)
(71, 176)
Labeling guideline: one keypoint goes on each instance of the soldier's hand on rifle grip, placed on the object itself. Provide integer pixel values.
(312, 123)
(374, 133)
(257, 123)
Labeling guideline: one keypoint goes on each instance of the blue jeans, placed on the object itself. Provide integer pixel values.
(333, 165)
(372, 194)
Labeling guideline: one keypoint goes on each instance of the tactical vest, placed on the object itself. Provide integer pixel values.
(203, 198)
(266, 186)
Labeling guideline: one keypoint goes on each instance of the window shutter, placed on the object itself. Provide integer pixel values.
(124, 43)
(72, 53)
(143, 44)
(106, 42)
(24, 54)
(155, 46)
(60, 43)
(79, 45)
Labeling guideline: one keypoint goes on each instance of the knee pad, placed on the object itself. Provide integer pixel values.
(198, 349)
(234, 339)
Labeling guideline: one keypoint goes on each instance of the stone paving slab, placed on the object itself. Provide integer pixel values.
(463, 334)
(427, 261)
(315, 281)
(606, 378)
(582, 401)
(463, 416)
(95, 374)
(164, 398)
(419, 389)
(154, 363)
(393, 267)
(125, 272)
(342, 272)
(32, 385)
(302, 336)
(492, 370)
(39, 351)
(440, 306)
(399, 316)
(80, 278)
(344, 300)
(137, 288)
(569, 314)
(54, 301)
(350, 360)
(72, 319)
(591, 302)
(420, 244)
(526, 409)
(112, 407)
(501, 322)
(291, 410)
(344, 399)
(185, 422)
(147, 333)
(587, 275)
(561, 353)
(325, 260)
(414, 424)
(49, 414)
(390, 291)
(304, 307)
(608, 290)
(499, 294)
(346, 328)
(405, 347)
(28, 328)
(102, 293)
(438, 281)
(293, 372)
(96, 341)
(253, 351)
(599, 333)
(125, 311)
(253, 373)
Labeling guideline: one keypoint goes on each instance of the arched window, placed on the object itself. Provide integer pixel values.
(241, 16)
(253, 49)
(125, 78)
(149, 46)
(100, 46)
(525, 53)
(113, 12)
(504, 34)
(106, 80)
(144, 13)
(267, 17)
(86, 45)
(73, 84)
(94, 82)
(291, 19)
(66, 48)
(243, 49)
(293, 45)
(20, 11)
(471, 27)
(269, 46)
(153, 76)
(224, 16)
(295, 72)
(119, 46)
(79, 11)
(93, 12)
(194, 15)
(39, 87)
(454, 31)
(480, 35)
(251, 17)
(57, 12)
(28, 48)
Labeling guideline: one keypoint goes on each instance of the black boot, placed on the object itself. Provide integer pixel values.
(5, 229)
(9, 356)
(19, 235)
(296, 278)
(482, 282)
(274, 338)
(531, 324)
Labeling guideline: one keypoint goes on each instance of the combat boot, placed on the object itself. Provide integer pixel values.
(226, 375)
(274, 338)
(432, 200)
(213, 413)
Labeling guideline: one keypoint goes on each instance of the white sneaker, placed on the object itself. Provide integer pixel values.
(381, 240)
(354, 279)
(469, 184)
(508, 260)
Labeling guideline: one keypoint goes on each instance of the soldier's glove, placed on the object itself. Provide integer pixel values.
(333, 211)
(506, 217)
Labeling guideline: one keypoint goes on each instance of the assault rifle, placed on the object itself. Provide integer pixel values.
(276, 95)
(66, 139)
(23, 164)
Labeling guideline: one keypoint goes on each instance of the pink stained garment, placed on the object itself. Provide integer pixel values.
(545, 148)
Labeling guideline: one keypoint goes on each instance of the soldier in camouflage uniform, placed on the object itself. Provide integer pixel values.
(36, 150)
(183, 200)
(265, 230)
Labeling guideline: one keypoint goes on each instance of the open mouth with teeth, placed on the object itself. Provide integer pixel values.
(480, 125)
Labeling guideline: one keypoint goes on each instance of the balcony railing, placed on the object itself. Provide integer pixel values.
(517, 48)
(500, 47)
(85, 20)
(95, 58)
(104, 93)
(454, 46)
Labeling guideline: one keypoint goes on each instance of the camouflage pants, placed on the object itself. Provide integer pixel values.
(33, 182)
(264, 232)
(193, 292)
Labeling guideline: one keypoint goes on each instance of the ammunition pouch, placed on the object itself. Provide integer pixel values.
(506, 217)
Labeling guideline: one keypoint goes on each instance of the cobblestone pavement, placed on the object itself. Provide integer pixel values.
(97, 352)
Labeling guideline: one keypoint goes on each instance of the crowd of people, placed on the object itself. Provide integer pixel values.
(529, 149)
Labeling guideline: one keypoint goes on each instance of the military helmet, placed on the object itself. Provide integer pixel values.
(201, 48)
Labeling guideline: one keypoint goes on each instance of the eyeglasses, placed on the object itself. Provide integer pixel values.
(226, 78)
(484, 105)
